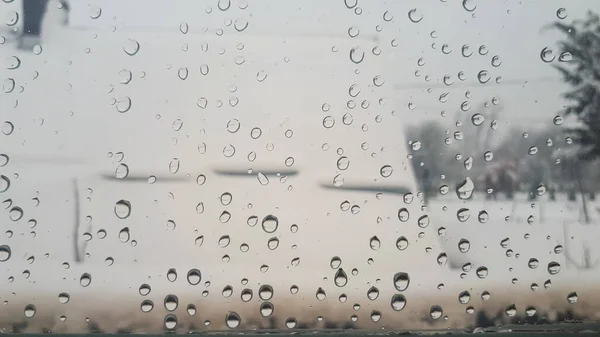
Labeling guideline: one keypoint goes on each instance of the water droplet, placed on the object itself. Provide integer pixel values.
(191, 309)
(553, 268)
(401, 243)
(350, 3)
(7, 128)
(464, 297)
(8, 85)
(183, 27)
(464, 245)
(401, 281)
(436, 312)
(202, 102)
(386, 171)
(124, 235)
(547, 55)
(572, 297)
(227, 291)
(415, 15)
(266, 309)
(343, 163)
(273, 243)
(357, 55)
(228, 151)
(482, 272)
(122, 209)
(511, 310)
(194, 276)
(373, 293)
(123, 104)
(483, 217)
(131, 47)
(465, 189)
(224, 241)
(85, 279)
(387, 16)
(232, 319)
(374, 243)
(469, 5)
(262, 179)
(172, 274)
(321, 294)
(5, 253)
(144, 289)
(29, 310)
(561, 13)
(146, 306)
(353, 31)
(423, 221)
(171, 302)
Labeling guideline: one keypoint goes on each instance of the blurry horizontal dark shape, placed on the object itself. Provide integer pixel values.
(369, 188)
(255, 172)
(139, 178)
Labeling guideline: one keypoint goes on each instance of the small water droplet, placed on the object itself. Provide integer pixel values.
(464, 245)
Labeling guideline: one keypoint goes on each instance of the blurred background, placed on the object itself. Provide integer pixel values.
(273, 165)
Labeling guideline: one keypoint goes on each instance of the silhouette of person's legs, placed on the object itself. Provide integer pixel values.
(33, 14)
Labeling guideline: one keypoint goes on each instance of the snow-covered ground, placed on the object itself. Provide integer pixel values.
(176, 109)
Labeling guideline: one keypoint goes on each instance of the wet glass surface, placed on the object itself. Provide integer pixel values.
(236, 165)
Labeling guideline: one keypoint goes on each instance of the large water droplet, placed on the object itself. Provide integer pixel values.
(232, 319)
(415, 15)
(266, 309)
(124, 235)
(464, 245)
(270, 223)
(5, 253)
(423, 221)
(572, 297)
(29, 310)
(172, 274)
(464, 297)
(340, 278)
(463, 214)
(547, 55)
(436, 312)
(85, 280)
(171, 302)
(553, 268)
(265, 292)
(402, 243)
(357, 55)
(374, 243)
(122, 209)
(4, 183)
(7, 128)
(194, 276)
(131, 47)
(401, 281)
(398, 302)
(321, 294)
(465, 189)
